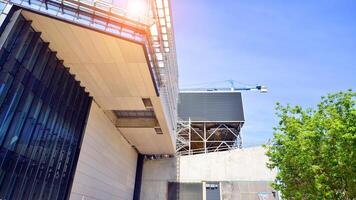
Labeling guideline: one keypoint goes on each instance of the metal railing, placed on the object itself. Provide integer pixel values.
(207, 150)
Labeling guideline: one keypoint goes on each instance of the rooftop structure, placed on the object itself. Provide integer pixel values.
(209, 121)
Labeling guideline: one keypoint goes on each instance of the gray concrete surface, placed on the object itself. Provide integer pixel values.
(236, 166)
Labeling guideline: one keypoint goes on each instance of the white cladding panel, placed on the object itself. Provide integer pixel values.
(107, 163)
(113, 70)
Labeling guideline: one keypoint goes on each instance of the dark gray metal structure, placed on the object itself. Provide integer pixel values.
(209, 121)
(211, 106)
(43, 114)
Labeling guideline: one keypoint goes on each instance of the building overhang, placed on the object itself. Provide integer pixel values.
(116, 71)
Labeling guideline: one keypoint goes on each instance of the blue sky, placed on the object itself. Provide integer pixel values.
(300, 49)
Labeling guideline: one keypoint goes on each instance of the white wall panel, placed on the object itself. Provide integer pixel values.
(107, 163)
(247, 164)
(235, 166)
(113, 70)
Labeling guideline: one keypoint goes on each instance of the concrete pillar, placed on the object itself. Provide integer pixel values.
(204, 191)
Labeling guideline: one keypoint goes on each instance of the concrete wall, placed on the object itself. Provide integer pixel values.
(252, 190)
(155, 176)
(247, 164)
(107, 163)
(230, 166)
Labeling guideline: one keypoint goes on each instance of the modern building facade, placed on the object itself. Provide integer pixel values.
(90, 109)
(43, 116)
(87, 89)
(210, 163)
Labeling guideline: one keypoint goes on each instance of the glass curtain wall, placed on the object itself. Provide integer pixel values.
(43, 113)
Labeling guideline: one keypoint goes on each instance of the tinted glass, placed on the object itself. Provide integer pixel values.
(43, 112)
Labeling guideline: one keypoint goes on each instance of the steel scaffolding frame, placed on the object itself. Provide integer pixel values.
(205, 137)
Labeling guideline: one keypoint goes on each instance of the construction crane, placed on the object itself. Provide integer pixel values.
(260, 88)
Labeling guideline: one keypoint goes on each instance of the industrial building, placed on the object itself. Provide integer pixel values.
(209, 121)
(90, 109)
(210, 161)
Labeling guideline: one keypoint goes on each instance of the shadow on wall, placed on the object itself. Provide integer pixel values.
(230, 175)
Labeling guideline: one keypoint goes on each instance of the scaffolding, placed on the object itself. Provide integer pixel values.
(206, 137)
(209, 121)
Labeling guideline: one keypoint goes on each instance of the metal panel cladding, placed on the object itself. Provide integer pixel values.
(211, 106)
(43, 113)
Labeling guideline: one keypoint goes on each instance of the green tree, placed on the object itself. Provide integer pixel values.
(314, 150)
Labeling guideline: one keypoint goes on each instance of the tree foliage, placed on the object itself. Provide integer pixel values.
(314, 150)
